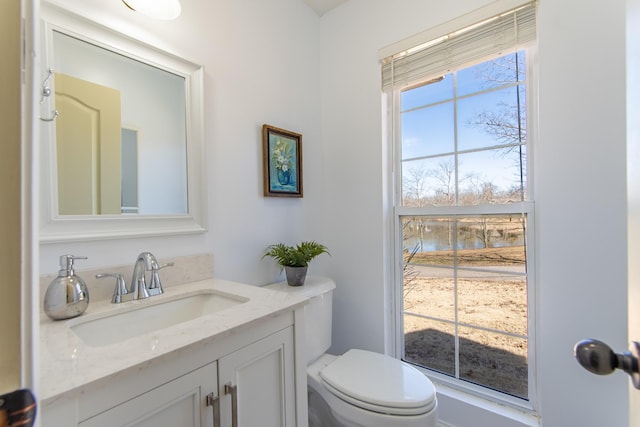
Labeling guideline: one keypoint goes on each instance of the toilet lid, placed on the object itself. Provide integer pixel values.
(379, 383)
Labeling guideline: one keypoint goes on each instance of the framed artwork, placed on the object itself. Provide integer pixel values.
(282, 162)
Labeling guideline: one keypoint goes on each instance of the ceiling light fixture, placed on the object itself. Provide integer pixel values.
(157, 9)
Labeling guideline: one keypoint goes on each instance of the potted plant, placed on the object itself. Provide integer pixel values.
(295, 259)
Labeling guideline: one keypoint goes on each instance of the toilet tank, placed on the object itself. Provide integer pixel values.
(318, 313)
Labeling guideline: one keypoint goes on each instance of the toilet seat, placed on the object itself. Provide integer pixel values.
(379, 383)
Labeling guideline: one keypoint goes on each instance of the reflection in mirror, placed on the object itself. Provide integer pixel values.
(97, 91)
(129, 171)
(124, 156)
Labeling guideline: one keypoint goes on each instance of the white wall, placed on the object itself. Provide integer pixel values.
(581, 205)
(275, 62)
(261, 65)
(580, 190)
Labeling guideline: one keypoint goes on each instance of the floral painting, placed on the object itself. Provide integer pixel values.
(282, 162)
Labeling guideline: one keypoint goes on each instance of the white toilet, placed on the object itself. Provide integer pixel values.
(359, 388)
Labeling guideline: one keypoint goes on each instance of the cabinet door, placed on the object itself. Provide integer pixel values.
(181, 402)
(263, 375)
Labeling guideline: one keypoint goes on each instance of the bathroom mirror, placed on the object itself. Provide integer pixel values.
(123, 155)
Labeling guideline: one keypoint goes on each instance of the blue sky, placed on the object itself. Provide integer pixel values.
(428, 123)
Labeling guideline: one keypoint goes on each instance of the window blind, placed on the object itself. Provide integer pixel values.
(497, 35)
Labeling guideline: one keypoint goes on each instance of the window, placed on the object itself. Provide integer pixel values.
(463, 209)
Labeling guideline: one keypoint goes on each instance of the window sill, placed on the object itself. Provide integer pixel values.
(459, 408)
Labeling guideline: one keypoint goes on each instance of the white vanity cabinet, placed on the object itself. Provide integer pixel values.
(259, 377)
(177, 403)
(262, 377)
(251, 374)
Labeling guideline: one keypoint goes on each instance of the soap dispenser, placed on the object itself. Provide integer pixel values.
(67, 295)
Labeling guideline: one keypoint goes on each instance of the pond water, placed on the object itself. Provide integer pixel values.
(438, 235)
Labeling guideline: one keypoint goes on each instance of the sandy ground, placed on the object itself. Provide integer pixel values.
(495, 300)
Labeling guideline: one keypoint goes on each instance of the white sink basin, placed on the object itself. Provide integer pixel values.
(151, 317)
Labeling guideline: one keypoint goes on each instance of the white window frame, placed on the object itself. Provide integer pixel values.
(391, 101)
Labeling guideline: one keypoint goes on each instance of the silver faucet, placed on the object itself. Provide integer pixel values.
(146, 261)
(138, 289)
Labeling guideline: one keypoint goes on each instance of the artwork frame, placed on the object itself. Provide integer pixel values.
(282, 162)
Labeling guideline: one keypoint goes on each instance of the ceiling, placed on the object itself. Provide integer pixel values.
(323, 6)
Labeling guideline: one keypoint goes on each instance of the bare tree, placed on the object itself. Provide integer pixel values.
(414, 186)
(507, 124)
(445, 176)
(409, 272)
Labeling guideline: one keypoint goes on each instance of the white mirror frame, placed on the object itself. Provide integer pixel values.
(62, 228)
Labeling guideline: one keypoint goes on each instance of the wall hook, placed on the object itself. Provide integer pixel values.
(54, 115)
(46, 92)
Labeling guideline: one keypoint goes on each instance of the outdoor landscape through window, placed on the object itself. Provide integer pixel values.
(470, 299)
(463, 213)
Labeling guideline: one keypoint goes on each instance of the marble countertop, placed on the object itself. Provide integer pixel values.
(67, 363)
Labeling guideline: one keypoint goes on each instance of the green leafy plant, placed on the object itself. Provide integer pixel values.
(295, 256)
